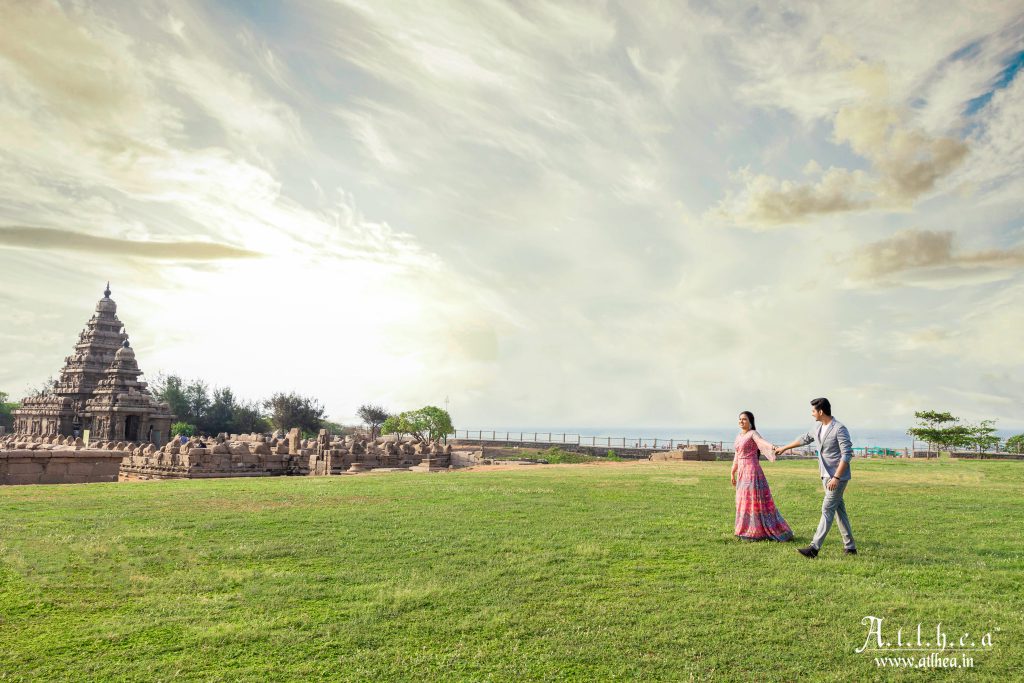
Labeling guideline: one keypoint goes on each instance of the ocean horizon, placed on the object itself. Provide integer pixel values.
(862, 438)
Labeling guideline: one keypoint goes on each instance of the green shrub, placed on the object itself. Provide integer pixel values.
(556, 456)
(179, 428)
(613, 456)
(6, 419)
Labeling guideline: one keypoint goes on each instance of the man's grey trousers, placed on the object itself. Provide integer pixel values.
(832, 507)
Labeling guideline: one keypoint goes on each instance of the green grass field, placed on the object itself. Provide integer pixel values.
(570, 572)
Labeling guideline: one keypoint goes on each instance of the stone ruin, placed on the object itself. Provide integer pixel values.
(278, 454)
(100, 400)
(56, 459)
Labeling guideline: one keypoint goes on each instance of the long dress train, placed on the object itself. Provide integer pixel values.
(757, 518)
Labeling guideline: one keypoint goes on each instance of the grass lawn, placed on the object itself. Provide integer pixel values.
(571, 572)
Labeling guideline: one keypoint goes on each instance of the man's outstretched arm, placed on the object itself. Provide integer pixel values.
(799, 441)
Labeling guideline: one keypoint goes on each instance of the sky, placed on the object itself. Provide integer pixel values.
(546, 213)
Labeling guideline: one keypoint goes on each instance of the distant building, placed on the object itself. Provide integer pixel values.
(99, 390)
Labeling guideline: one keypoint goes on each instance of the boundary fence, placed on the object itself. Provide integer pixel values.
(640, 444)
(644, 443)
(565, 439)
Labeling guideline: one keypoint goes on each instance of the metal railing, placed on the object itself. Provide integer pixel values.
(556, 438)
(876, 451)
(637, 443)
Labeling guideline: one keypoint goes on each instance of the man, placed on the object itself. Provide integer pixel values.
(835, 451)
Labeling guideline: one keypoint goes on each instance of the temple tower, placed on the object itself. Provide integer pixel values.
(98, 385)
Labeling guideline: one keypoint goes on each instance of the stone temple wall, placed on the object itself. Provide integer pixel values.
(278, 454)
(65, 466)
(34, 459)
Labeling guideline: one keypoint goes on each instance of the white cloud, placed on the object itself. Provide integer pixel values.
(128, 158)
(906, 165)
(233, 101)
(533, 181)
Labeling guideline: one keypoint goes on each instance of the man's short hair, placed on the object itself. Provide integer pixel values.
(823, 405)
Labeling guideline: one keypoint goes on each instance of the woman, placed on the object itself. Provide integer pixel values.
(757, 518)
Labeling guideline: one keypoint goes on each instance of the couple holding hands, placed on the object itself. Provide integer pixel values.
(757, 518)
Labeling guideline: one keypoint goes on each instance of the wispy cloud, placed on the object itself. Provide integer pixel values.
(50, 239)
(929, 257)
(905, 163)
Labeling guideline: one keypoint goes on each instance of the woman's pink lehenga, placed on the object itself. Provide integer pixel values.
(757, 518)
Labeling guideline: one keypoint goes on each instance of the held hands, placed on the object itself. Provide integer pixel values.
(779, 451)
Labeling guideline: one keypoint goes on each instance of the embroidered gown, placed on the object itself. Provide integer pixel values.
(757, 518)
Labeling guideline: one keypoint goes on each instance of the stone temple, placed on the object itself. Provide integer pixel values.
(129, 430)
(98, 390)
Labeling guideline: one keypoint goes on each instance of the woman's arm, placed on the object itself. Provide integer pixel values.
(767, 449)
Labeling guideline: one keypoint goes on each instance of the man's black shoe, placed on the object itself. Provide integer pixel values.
(849, 551)
(809, 551)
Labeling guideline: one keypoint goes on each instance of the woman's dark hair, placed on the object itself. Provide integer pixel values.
(750, 416)
(823, 405)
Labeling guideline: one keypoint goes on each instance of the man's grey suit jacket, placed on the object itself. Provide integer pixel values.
(834, 446)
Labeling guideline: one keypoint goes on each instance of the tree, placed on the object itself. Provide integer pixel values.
(223, 412)
(246, 417)
(1015, 444)
(399, 425)
(939, 429)
(179, 428)
(373, 416)
(219, 416)
(198, 400)
(6, 419)
(44, 388)
(170, 388)
(438, 422)
(982, 435)
(959, 437)
(945, 431)
(426, 424)
(339, 429)
(292, 410)
(189, 402)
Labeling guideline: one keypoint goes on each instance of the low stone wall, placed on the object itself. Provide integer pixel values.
(23, 466)
(971, 455)
(699, 452)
